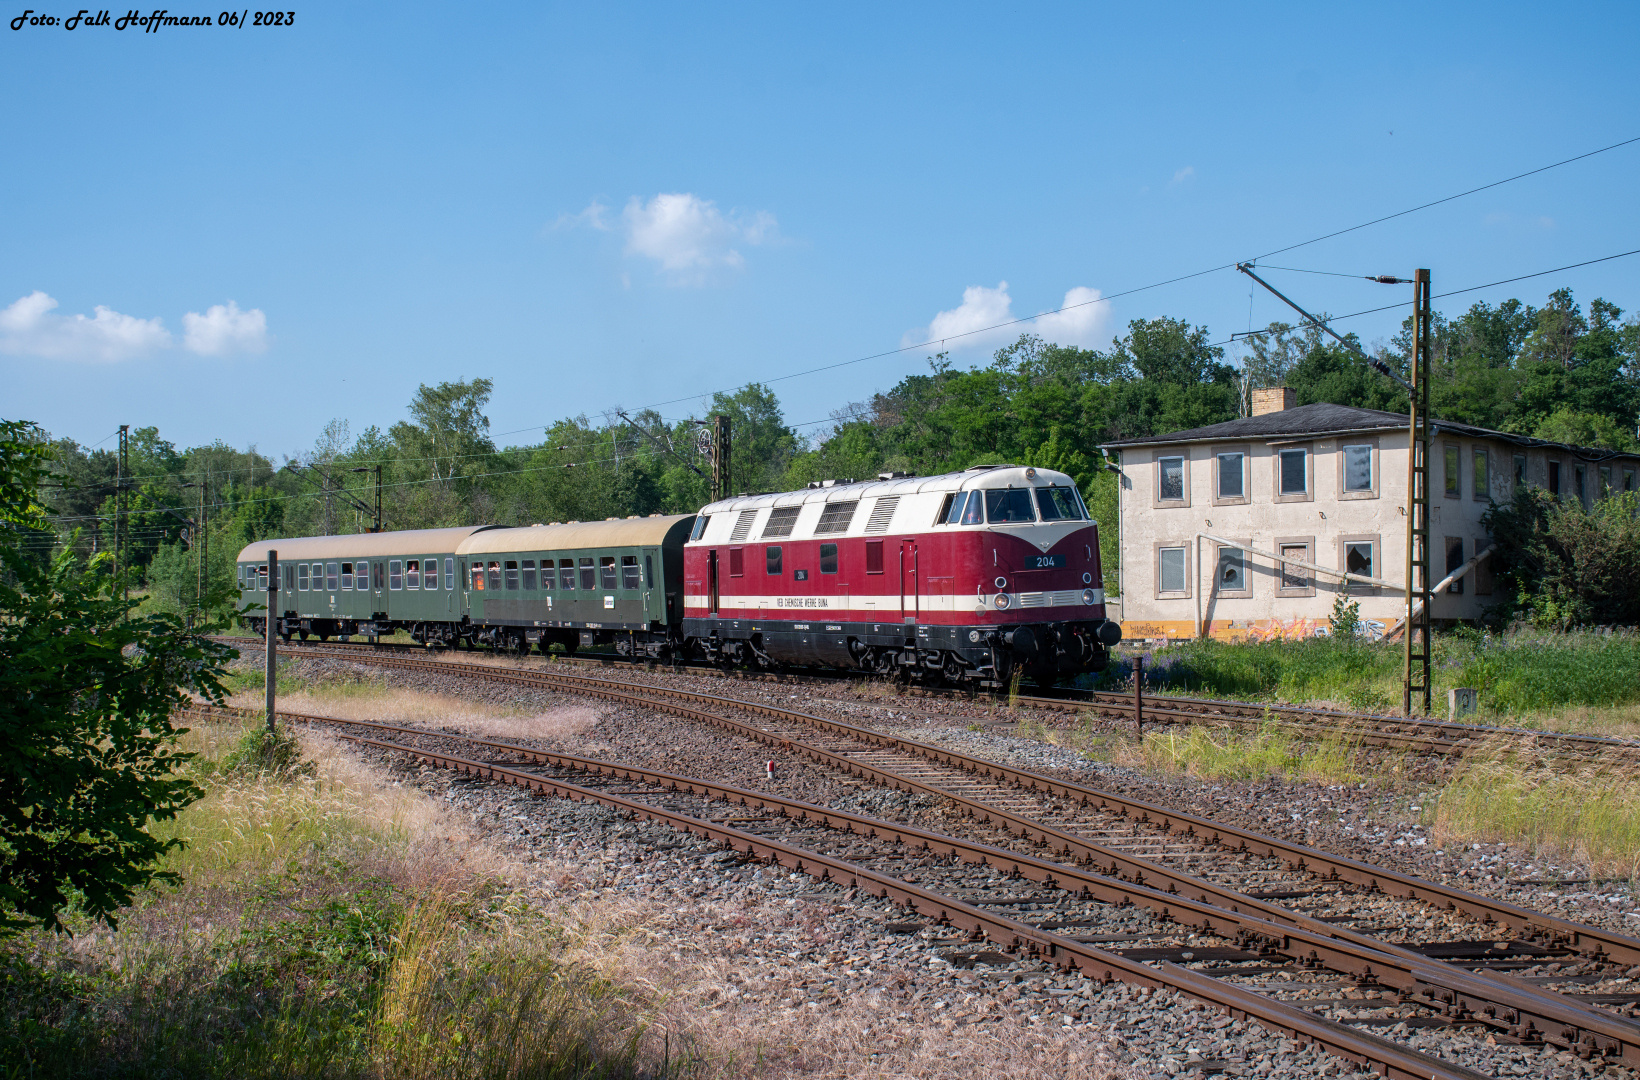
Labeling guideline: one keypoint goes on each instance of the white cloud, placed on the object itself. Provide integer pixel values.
(1183, 174)
(592, 216)
(1080, 320)
(30, 328)
(688, 235)
(223, 330)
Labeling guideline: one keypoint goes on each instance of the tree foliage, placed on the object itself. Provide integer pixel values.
(1569, 566)
(87, 753)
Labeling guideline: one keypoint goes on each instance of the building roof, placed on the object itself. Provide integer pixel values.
(1324, 419)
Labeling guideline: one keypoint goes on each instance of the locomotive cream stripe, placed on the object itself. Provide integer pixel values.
(930, 602)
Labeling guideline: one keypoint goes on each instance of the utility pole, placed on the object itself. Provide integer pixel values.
(720, 457)
(201, 545)
(1415, 679)
(122, 467)
(273, 624)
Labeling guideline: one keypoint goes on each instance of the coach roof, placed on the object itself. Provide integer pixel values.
(364, 545)
(616, 532)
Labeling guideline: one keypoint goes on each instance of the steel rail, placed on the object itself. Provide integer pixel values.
(1391, 1058)
(1519, 1011)
(1533, 925)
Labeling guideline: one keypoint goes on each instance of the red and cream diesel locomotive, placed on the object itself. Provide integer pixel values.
(972, 576)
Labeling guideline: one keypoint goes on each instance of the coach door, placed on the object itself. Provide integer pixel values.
(909, 604)
(712, 581)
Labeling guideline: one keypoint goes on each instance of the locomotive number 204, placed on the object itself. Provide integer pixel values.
(1043, 562)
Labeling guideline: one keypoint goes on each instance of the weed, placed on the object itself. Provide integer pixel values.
(1222, 754)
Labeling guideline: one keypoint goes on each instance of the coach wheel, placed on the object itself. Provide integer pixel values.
(323, 636)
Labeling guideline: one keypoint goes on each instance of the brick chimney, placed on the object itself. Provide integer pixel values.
(1275, 399)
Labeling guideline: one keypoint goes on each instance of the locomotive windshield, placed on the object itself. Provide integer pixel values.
(1059, 504)
(1006, 506)
(700, 526)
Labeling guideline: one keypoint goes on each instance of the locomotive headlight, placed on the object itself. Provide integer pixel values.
(1002, 601)
(1002, 583)
(1088, 597)
(1087, 579)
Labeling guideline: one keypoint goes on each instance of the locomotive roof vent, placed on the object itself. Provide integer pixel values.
(895, 475)
(982, 468)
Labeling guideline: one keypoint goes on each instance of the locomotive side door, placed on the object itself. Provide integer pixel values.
(712, 581)
(910, 605)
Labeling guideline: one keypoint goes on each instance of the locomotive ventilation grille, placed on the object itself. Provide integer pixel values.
(1062, 598)
(882, 513)
(743, 525)
(781, 520)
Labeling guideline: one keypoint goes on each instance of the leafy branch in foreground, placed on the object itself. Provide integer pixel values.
(87, 748)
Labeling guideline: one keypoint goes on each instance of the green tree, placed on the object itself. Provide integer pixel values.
(87, 747)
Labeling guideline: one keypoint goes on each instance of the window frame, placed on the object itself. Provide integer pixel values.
(1451, 465)
(347, 576)
(1156, 569)
(609, 573)
(1480, 461)
(492, 575)
(1521, 473)
(566, 575)
(1308, 544)
(824, 556)
(509, 575)
(527, 581)
(378, 572)
(1456, 588)
(1353, 588)
(1602, 481)
(1006, 494)
(301, 577)
(773, 561)
(1242, 545)
(1306, 447)
(587, 567)
(1156, 459)
(1628, 479)
(874, 556)
(412, 574)
(333, 576)
(1551, 477)
(1219, 498)
(630, 561)
(395, 575)
(1373, 463)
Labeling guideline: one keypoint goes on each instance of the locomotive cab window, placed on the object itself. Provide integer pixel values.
(412, 574)
(589, 574)
(974, 514)
(629, 572)
(771, 560)
(527, 570)
(1009, 506)
(395, 575)
(1058, 504)
(700, 526)
(951, 508)
(512, 575)
(828, 558)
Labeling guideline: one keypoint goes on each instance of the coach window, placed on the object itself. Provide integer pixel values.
(449, 573)
(649, 571)
(475, 581)
(566, 574)
(361, 576)
(1172, 480)
(290, 578)
(347, 577)
(1230, 485)
(333, 575)
(301, 577)
(1358, 470)
(262, 578)
(395, 576)
(511, 575)
(606, 572)
(318, 577)
(1009, 506)
(1291, 578)
(1294, 474)
(527, 570)
(771, 560)
(429, 573)
(1172, 571)
(492, 576)
(629, 573)
(874, 556)
(548, 578)
(828, 558)
(412, 574)
(589, 574)
(241, 575)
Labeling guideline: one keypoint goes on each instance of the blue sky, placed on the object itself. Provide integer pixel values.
(242, 233)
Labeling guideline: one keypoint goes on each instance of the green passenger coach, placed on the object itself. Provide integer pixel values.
(366, 583)
(581, 583)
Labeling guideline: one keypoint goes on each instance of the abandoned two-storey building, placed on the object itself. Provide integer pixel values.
(1244, 529)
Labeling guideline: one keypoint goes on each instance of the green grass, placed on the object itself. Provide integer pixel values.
(1526, 676)
(299, 946)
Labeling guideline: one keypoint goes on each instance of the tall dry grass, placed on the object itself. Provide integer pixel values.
(1585, 814)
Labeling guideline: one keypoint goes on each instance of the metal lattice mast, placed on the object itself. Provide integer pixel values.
(720, 457)
(1416, 674)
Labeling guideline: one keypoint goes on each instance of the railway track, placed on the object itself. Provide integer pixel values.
(1412, 734)
(1452, 948)
(1077, 920)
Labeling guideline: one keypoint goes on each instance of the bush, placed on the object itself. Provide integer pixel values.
(1568, 566)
